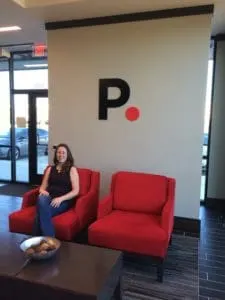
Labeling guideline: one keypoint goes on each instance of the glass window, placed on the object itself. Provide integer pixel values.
(42, 133)
(30, 72)
(206, 127)
(21, 137)
(5, 141)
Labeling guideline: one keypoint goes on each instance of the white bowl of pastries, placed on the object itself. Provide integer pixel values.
(40, 247)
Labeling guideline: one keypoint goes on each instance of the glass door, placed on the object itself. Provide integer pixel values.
(42, 135)
(38, 150)
(31, 135)
(21, 133)
(5, 124)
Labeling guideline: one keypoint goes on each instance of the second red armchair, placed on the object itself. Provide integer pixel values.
(137, 216)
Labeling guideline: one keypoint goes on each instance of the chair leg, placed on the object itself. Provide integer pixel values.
(160, 271)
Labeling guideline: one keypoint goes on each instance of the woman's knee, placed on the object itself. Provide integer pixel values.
(43, 201)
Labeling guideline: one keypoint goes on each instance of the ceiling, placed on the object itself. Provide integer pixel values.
(31, 15)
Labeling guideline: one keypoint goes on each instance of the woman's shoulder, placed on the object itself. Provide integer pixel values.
(73, 170)
(47, 171)
(48, 168)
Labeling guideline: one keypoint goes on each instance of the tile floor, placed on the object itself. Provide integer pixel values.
(212, 255)
(211, 252)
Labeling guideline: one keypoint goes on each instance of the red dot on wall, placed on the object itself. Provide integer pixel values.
(132, 113)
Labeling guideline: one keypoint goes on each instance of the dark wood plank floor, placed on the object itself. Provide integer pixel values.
(212, 255)
(212, 247)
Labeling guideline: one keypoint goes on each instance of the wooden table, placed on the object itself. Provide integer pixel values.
(11, 261)
(11, 258)
(76, 272)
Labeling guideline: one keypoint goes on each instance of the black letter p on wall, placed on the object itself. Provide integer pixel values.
(104, 102)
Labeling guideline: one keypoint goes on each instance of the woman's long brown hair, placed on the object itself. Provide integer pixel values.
(69, 161)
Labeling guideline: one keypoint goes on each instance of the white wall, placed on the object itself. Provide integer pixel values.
(216, 174)
(165, 63)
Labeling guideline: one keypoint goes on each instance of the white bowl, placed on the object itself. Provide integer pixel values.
(34, 241)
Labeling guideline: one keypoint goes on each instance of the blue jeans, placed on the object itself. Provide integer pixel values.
(43, 221)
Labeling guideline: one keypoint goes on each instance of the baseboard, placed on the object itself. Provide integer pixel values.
(202, 202)
(187, 226)
(215, 203)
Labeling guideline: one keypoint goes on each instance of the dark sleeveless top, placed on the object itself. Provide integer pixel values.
(59, 183)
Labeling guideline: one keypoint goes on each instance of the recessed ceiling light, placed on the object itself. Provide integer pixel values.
(10, 28)
(35, 65)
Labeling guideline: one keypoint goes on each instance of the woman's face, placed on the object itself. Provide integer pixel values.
(61, 154)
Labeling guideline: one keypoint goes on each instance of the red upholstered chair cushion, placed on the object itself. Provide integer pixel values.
(22, 220)
(139, 192)
(66, 224)
(85, 180)
(132, 232)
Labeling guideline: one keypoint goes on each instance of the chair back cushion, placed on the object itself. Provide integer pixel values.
(85, 180)
(139, 192)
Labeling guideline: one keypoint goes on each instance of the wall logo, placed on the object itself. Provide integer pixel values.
(132, 113)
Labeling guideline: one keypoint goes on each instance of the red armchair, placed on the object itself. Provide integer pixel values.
(137, 216)
(68, 224)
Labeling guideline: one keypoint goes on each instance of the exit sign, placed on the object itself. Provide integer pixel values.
(39, 50)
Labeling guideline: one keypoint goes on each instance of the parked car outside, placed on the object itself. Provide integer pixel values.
(21, 142)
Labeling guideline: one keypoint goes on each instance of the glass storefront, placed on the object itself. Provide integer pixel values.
(30, 118)
(30, 73)
(5, 134)
(21, 137)
(42, 133)
(206, 129)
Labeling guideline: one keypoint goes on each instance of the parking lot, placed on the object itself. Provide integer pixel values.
(22, 170)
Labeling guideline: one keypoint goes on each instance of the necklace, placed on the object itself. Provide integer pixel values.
(59, 170)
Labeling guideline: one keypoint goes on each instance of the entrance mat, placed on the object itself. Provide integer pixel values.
(15, 189)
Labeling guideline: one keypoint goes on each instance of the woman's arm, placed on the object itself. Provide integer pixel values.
(44, 184)
(74, 177)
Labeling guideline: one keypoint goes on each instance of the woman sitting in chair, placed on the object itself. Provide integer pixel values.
(59, 186)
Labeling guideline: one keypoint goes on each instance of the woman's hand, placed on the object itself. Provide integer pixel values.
(56, 202)
(43, 193)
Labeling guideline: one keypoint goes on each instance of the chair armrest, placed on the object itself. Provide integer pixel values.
(105, 206)
(30, 198)
(167, 220)
(87, 205)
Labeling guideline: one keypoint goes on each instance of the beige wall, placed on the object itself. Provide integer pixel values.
(216, 174)
(165, 63)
